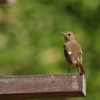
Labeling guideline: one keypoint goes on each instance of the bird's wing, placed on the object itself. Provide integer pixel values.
(67, 55)
(71, 57)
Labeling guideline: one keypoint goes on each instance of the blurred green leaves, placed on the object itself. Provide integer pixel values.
(30, 42)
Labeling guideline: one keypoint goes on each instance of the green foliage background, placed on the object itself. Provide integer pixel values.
(30, 42)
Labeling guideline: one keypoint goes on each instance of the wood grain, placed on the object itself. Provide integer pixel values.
(42, 86)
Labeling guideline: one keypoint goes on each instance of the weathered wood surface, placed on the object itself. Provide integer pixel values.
(42, 86)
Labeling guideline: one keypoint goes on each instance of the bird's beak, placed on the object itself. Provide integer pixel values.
(61, 33)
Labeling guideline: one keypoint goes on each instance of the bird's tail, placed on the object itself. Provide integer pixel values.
(80, 68)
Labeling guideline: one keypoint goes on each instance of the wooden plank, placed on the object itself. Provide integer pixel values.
(42, 86)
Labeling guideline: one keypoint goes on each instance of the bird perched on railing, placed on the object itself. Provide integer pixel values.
(72, 51)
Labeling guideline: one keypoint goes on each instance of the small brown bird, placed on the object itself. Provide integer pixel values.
(73, 51)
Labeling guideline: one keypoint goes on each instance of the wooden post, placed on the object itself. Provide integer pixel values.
(42, 86)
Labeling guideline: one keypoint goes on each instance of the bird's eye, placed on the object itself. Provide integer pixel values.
(69, 34)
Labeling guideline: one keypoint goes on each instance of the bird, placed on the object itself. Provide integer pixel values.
(73, 51)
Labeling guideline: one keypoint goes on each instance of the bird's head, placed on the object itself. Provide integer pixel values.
(68, 35)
